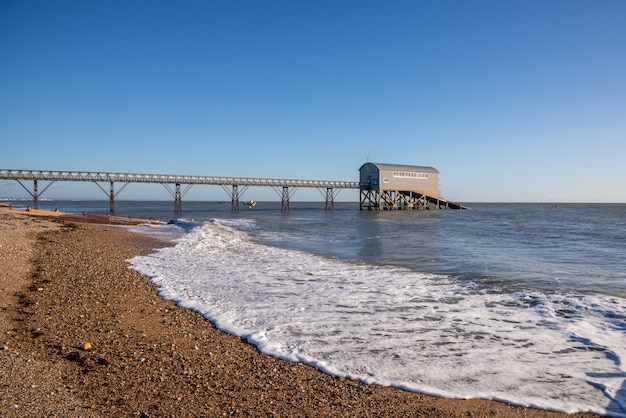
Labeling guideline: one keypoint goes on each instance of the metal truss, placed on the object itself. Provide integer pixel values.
(402, 200)
(169, 179)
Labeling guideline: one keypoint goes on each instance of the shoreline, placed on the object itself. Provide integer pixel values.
(67, 284)
(86, 217)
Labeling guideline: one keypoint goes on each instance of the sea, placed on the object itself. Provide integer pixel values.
(521, 303)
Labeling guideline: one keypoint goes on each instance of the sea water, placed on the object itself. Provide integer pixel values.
(523, 303)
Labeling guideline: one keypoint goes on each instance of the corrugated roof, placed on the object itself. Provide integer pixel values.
(400, 167)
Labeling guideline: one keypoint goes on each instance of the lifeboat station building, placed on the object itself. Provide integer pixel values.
(397, 187)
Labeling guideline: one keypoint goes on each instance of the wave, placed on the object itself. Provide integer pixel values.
(423, 332)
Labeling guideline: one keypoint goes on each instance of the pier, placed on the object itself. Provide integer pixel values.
(179, 185)
(176, 185)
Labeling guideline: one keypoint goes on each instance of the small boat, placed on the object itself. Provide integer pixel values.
(250, 203)
(221, 202)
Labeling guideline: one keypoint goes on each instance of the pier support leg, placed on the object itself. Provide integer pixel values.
(111, 193)
(234, 204)
(35, 195)
(369, 200)
(400, 199)
(178, 204)
(284, 207)
(330, 199)
(285, 195)
(178, 195)
(112, 198)
(235, 193)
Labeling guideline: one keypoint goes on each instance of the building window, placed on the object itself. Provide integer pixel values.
(409, 174)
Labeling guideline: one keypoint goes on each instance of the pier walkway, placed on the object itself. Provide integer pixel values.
(176, 185)
(179, 185)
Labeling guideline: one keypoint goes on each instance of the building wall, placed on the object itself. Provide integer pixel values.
(369, 176)
(420, 179)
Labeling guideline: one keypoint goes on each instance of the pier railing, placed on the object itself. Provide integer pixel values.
(173, 184)
(168, 179)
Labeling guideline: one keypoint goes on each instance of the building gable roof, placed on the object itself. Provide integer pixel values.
(400, 167)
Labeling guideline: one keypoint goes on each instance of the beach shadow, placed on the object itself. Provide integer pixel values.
(617, 403)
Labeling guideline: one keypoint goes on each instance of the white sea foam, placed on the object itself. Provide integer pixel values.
(380, 324)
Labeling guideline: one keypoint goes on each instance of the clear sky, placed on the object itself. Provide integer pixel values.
(509, 100)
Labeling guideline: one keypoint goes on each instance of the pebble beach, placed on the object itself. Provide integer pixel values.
(82, 335)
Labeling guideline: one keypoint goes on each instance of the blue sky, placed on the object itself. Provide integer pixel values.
(509, 100)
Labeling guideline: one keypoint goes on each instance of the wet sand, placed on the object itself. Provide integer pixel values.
(82, 335)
